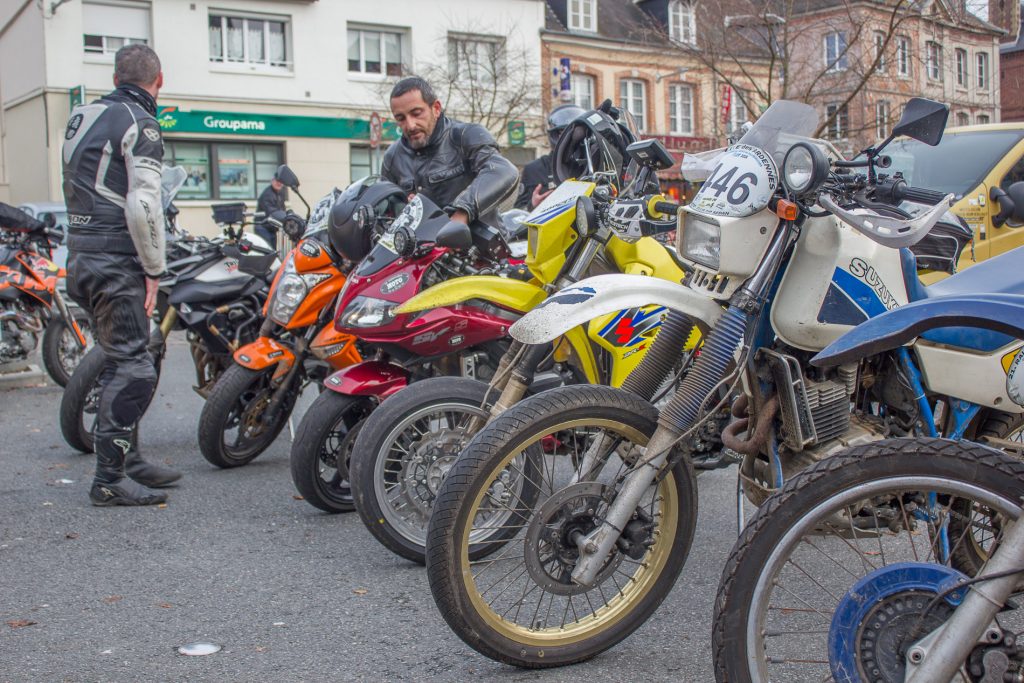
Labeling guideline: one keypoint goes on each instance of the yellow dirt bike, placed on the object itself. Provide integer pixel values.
(405, 448)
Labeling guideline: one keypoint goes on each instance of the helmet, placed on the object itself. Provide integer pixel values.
(381, 199)
(560, 118)
(608, 141)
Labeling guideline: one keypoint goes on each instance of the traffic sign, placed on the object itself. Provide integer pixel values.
(376, 129)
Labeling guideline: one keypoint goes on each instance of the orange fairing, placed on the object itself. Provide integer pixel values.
(263, 353)
(310, 255)
(335, 347)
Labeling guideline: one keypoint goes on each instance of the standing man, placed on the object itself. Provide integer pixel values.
(538, 180)
(457, 165)
(271, 200)
(112, 163)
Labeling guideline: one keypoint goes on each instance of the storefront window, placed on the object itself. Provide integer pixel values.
(364, 161)
(223, 170)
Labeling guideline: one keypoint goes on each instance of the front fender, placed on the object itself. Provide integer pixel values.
(505, 292)
(998, 313)
(603, 294)
(369, 378)
(263, 353)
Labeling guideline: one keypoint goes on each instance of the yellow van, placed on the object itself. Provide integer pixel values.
(970, 162)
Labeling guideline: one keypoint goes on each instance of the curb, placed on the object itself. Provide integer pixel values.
(17, 376)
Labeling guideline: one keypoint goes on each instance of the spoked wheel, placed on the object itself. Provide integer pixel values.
(519, 604)
(978, 523)
(405, 450)
(322, 448)
(60, 350)
(232, 429)
(80, 403)
(840, 572)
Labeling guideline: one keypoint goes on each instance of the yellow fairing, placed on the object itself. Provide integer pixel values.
(515, 295)
(551, 229)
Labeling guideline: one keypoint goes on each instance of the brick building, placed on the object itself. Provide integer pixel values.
(1011, 64)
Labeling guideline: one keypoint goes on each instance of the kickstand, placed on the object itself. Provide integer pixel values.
(740, 517)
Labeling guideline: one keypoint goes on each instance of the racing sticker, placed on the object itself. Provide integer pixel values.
(740, 185)
(1013, 363)
(630, 327)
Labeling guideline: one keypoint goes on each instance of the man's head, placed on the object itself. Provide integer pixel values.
(416, 110)
(138, 65)
(276, 184)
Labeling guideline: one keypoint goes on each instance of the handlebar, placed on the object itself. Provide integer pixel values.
(671, 208)
(896, 190)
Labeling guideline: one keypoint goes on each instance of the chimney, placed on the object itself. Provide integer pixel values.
(1006, 15)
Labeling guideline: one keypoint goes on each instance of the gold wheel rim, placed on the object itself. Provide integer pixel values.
(621, 605)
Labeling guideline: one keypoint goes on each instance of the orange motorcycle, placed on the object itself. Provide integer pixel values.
(297, 345)
(32, 304)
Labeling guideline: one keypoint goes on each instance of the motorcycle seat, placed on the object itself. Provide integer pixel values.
(1003, 274)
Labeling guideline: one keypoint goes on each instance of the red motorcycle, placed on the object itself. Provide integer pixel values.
(419, 249)
(31, 304)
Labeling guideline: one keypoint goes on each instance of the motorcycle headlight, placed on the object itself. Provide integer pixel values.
(701, 241)
(365, 311)
(804, 169)
(288, 294)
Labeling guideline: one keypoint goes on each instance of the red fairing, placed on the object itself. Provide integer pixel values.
(444, 330)
(369, 378)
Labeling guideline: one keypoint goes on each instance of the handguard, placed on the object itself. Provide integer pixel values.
(886, 230)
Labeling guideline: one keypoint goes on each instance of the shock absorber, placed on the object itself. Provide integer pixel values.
(659, 359)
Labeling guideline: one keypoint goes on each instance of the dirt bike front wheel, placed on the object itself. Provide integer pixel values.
(518, 604)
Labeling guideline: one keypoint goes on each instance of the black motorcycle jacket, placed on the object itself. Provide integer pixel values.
(112, 156)
(459, 168)
(16, 219)
(537, 172)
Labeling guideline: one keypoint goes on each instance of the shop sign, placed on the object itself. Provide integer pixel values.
(684, 143)
(516, 133)
(174, 120)
(76, 95)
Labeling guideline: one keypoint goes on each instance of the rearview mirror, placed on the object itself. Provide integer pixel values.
(1011, 204)
(287, 177)
(923, 120)
(455, 235)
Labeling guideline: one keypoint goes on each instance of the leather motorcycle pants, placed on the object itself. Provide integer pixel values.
(112, 288)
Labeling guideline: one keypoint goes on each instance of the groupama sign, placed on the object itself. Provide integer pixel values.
(174, 120)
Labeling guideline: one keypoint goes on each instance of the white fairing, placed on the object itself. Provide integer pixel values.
(836, 279)
(971, 376)
(603, 294)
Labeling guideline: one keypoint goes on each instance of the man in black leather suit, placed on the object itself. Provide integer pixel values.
(538, 179)
(457, 165)
(112, 158)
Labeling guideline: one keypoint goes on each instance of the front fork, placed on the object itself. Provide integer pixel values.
(69, 320)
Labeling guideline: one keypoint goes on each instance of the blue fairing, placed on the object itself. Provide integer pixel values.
(1000, 313)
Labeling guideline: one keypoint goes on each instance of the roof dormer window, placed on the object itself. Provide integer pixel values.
(682, 22)
(583, 15)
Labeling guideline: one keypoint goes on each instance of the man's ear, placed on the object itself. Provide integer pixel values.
(436, 106)
(160, 80)
(115, 80)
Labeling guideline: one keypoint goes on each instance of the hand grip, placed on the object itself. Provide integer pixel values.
(920, 195)
(671, 208)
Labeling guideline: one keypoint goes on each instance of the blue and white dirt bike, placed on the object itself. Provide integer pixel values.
(788, 248)
(896, 560)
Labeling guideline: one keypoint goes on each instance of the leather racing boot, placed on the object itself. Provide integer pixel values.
(145, 472)
(111, 486)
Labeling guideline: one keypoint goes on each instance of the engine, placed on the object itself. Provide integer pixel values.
(18, 332)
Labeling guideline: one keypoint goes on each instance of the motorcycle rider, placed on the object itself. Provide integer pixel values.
(538, 180)
(270, 200)
(457, 165)
(112, 167)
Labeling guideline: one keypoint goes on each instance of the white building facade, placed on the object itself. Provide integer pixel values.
(247, 84)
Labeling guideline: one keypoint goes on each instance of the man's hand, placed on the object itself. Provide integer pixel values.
(538, 196)
(152, 286)
(461, 217)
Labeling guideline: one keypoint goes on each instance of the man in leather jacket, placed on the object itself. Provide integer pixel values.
(112, 160)
(457, 165)
(269, 201)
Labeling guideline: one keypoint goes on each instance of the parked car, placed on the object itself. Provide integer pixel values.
(971, 162)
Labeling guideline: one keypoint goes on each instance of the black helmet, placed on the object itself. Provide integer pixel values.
(560, 118)
(381, 199)
(608, 141)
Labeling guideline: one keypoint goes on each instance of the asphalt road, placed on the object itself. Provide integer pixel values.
(290, 593)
